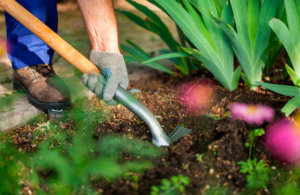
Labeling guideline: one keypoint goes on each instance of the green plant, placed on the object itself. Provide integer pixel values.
(10, 167)
(257, 171)
(287, 189)
(70, 158)
(290, 38)
(154, 24)
(137, 54)
(69, 164)
(209, 44)
(288, 183)
(217, 190)
(175, 185)
(275, 46)
(252, 33)
(73, 168)
(252, 135)
(199, 157)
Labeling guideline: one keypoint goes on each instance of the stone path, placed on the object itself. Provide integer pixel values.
(17, 112)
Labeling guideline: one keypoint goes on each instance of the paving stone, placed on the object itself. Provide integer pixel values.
(5, 89)
(17, 114)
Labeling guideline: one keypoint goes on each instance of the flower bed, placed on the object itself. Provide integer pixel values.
(209, 156)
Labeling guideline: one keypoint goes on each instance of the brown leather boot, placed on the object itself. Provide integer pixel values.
(44, 89)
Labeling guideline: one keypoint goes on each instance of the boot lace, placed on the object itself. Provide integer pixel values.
(42, 69)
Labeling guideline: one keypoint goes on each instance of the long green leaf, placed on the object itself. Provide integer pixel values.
(136, 19)
(282, 89)
(165, 51)
(187, 25)
(253, 18)
(167, 56)
(140, 55)
(219, 7)
(137, 48)
(268, 10)
(298, 10)
(236, 76)
(239, 8)
(212, 67)
(167, 38)
(293, 49)
(292, 18)
(283, 34)
(145, 10)
(153, 23)
(227, 55)
(198, 20)
(207, 7)
(220, 41)
(239, 49)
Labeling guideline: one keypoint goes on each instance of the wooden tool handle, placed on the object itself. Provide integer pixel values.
(48, 36)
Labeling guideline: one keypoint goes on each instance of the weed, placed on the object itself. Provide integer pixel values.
(257, 171)
(175, 185)
(199, 157)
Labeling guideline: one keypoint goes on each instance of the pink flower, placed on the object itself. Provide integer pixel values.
(196, 95)
(283, 141)
(252, 114)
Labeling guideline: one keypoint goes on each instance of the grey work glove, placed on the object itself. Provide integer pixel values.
(113, 69)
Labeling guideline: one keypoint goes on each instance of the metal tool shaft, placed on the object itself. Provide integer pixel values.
(159, 136)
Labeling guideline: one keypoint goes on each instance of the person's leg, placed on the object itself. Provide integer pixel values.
(32, 58)
(27, 49)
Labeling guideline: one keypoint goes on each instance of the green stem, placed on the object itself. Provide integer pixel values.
(250, 148)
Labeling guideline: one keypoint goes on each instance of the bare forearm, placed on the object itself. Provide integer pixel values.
(101, 24)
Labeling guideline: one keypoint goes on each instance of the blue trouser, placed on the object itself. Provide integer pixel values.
(26, 48)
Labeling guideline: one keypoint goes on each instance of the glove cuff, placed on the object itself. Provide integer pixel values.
(103, 59)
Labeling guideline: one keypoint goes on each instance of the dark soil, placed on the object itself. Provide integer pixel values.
(215, 135)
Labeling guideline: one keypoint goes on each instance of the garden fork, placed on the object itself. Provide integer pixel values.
(73, 56)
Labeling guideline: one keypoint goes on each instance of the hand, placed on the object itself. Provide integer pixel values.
(113, 69)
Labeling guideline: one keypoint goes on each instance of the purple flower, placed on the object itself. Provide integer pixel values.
(283, 141)
(252, 114)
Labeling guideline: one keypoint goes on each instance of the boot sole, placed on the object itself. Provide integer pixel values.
(40, 105)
